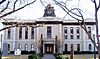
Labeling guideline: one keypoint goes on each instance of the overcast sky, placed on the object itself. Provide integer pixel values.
(36, 10)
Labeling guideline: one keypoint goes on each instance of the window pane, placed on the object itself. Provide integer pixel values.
(90, 47)
(26, 33)
(78, 37)
(77, 30)
(19, 46)
(26, 47)
(71, 36)
(49, 32)
(20, 33)
(78, 47)
(65, 29)
(32, 47)
(32, 33)
(65, 36)
(66, 48)
(71, 29)
(9, 33)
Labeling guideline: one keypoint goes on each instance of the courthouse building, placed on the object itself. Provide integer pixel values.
(49, 34)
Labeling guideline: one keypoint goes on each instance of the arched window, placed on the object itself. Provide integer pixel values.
(72, 47)
(26, 47)
(78, 47)
(19, 46)
(8, 47)
(32, 47)
(90, 47)
(66, 48)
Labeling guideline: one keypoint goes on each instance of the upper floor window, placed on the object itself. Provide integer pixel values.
(71, 33)
(9, 33)
(89, 30)
(71, 30)
(49, 32)
(26, 33)
(65, 32)
(20, 32)
(32, 32)
(77, 30)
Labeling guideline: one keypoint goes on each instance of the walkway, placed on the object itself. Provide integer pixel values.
(48, 56)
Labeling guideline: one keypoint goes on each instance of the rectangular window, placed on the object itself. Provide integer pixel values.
(9, 33)
(65, 36)
(78, 32)
(78, 37)
(71, 36)
(20, 32)
(26, 33)
(77, 29)
(89, 31)
(32, 32)
(49, 33)
(71, 33)
(71, 30)
(65, 32)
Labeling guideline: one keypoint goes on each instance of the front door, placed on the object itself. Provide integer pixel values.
(49, 48)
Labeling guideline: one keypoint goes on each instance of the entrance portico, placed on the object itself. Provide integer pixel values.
(48, 48)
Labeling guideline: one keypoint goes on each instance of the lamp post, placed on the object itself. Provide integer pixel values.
(94, 44)
(94, 47)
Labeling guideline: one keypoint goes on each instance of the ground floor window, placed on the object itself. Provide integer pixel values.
(19, 46)
(8, 47)
(66, 48)
(32, 47)
(26, 47)
(78, 47)
(90, 47)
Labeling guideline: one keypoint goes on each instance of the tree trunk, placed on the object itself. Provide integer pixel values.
(96, 20)
(98, 53)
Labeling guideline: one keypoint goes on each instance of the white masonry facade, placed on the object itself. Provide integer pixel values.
(48, 34)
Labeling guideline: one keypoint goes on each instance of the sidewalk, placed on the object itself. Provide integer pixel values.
(48, 56)
(15, 57)
(51, 56)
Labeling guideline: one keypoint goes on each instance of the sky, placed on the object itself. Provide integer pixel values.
(36, 10)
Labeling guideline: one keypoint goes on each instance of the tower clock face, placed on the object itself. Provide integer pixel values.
(49, 12)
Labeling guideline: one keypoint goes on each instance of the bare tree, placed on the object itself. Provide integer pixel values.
(80, 18)
(8, 7)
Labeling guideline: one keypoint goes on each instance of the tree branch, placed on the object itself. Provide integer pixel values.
(2, 1)
(98, 6)
(5, 8)
(16, 9)
(14, 4)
